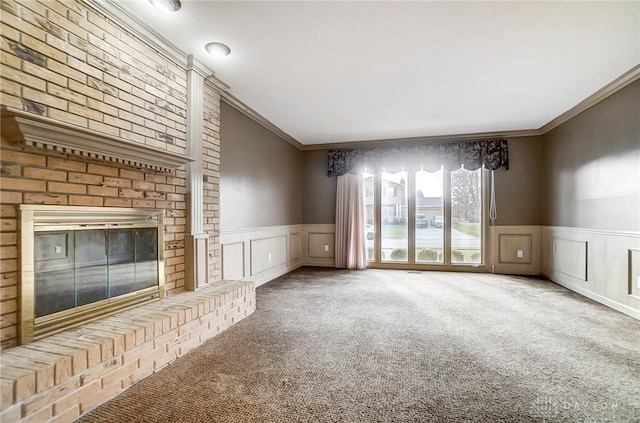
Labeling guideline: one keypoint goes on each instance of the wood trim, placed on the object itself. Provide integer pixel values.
(616, 85)
(217, 84)
(39, 131)
(298, 235)
(197, 66)
(123, 17)
(626, 79)
(499, 246)
(593, 231)
(237, 104)
(622, 308)
(332, 253)
(195, 123)
(269, 229)
(393, 142)
(129, 21)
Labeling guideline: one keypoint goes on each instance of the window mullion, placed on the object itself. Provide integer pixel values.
(447, 218)
(411, 216)
(377, 216)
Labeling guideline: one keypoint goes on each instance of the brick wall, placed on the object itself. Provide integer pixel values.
(211, 172)
(65, 61)
(69, 62)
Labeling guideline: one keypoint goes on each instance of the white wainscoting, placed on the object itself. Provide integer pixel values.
(569, 257)
(504, 244)
(315, 239)
(261, 254)
(600, 265)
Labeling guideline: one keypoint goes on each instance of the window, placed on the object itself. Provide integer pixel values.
(425, 217)
(429, 209)
(395, 227)
(466, 216)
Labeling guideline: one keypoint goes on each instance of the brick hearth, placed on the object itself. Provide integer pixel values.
(64, 376)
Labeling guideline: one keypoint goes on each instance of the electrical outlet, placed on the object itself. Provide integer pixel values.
(326, 247)
(57, 249)
(520, 253)
(269, 256)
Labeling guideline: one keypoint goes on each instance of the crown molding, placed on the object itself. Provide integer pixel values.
(234, 102)
(423, 140)
(217, 84)
(130, 22)
(619, 83)
(38, 131)
(616, 85)
(197, 66)
(126, 19)
(210, 79)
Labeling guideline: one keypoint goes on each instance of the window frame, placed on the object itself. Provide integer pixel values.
(446, 264)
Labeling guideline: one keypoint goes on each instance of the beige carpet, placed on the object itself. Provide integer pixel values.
(393, 346)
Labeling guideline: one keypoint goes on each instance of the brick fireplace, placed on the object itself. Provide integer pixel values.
(101, 113)
(64, 183)
(79, 264)
(59, 178)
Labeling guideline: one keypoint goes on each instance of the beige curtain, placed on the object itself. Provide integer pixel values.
(350, 238)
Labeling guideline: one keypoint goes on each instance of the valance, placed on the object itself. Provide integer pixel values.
(492, 154)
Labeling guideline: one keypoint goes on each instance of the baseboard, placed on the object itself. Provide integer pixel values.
(319, 263)
(594, 263)
(622, 308)
(270, 275)
(261, 254)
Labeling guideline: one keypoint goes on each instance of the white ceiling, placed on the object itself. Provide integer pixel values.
(328, 72)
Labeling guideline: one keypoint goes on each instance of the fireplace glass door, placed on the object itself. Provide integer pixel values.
(75, 268)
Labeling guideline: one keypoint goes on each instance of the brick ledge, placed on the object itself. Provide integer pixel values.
(63, 376)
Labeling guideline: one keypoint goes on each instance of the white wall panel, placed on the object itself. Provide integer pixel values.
(261, 254)
(314, 239)
(569, 257)
(233, 261)
(295, 243)
(597, 264)
(504, 244)
(267, 253)
(321, 244)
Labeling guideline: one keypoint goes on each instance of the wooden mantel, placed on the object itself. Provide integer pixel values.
(34, 130)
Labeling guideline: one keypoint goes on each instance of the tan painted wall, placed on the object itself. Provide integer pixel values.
(591, 202)
(518, 189)
(319, 190)
(591, 166)
(261, 177)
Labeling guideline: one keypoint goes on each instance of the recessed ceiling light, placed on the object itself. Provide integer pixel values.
(166, 6)
(218, 49)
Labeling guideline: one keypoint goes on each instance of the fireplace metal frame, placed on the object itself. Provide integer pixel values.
(36, 218)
